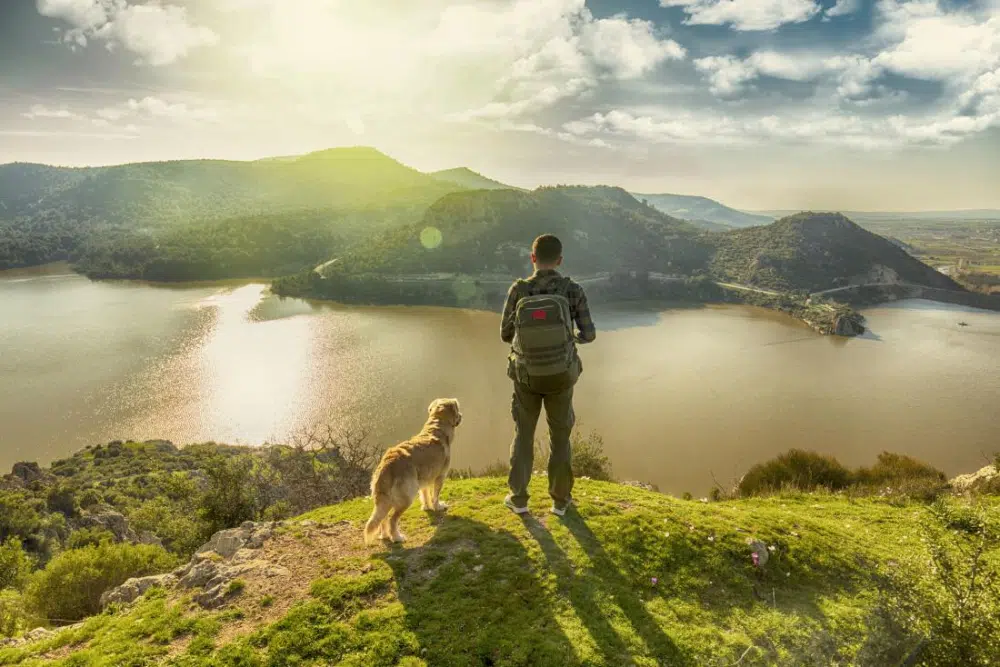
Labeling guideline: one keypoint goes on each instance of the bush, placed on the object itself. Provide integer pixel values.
(182, 532)
(85, 537)
(238, 490)
(902, 475)
(15, 565)
(589, 459)
(796, 469)
(14, 615)
(70, 586)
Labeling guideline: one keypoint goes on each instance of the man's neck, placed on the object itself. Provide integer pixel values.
(539, 268)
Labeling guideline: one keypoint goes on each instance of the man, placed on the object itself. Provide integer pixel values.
(538, 321)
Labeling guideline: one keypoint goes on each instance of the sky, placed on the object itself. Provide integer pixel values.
(762, 104)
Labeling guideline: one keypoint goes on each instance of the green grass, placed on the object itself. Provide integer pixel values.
(628, 578)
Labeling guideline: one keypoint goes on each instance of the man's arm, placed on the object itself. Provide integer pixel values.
(581, 315)
(509, 309)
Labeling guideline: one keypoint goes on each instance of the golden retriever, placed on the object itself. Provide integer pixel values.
(418, 465)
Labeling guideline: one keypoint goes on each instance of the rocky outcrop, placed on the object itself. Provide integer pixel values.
(27, 471)
(848, 325)
(986, 476)
(135, 587)
(213, 571)
(111, 521)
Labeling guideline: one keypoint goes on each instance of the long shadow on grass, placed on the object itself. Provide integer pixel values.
(602, 581)
(472, 598)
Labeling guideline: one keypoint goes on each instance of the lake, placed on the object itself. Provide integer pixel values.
(679, 395)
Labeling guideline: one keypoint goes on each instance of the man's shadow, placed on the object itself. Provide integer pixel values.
(474, 598)
(596, 590)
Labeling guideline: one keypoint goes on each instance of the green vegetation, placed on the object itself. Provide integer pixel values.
(703, 211)
(629, 577)
(816, 251)
(892, 474)
(469, 179)
(204, 219)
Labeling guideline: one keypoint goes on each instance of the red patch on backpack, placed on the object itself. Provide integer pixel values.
(539, 315)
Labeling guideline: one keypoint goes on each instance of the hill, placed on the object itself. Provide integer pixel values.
(816, 251)
(48, 213)
(488, 232)
(470, 179)
(703, 209)
(629, 577)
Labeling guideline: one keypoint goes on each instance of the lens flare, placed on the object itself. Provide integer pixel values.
(430, 237)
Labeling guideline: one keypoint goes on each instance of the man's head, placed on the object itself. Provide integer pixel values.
(546, 252)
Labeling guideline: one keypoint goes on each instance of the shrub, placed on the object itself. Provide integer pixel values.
(237, 486)
(589, 459)
(181, 531)
(15, 565)
(797, 469)
(70, 586)
(85, 537)
(902, 475)
(14, 615)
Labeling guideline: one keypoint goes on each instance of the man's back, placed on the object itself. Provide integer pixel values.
(549, 281)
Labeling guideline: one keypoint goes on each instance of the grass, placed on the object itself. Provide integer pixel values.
(629, 578)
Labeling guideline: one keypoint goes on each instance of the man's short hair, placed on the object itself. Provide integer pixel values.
(547, 249)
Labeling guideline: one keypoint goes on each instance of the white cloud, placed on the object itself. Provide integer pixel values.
(470, 59)
(681, 127)
(42, 111)
(729, 76)
(843, 8)
(158, 34)
(746, 15)
(157, 108)
(924, 41)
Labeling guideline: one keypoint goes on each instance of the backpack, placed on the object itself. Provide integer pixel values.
(544, 345)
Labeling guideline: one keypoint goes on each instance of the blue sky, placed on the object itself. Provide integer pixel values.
(851, 104)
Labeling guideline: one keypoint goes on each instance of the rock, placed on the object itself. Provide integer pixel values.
(973, 481)
(135, 587)
(847, 325)
(199, 574)
(109, 520)
(27, 471)
(227, 542)
(760, 549)
(36, 634)
(642, 485)
(147, 537)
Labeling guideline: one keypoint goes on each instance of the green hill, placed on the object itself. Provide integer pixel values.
(816, 251)
(694, 208)
(470, 179)
(630, 577)
(488, 232)
(49, 213)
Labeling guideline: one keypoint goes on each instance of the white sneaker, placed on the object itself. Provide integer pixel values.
(509, 502)
(561, 511)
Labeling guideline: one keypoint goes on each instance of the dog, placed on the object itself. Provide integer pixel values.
(418, 465)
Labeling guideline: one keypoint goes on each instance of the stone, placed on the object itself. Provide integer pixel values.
(200, 574)
(147, 537)
(845, 325)
(27, 471)
(227, 542)
(972, 481)
(641, 485)
(110, 520)
(135, 587)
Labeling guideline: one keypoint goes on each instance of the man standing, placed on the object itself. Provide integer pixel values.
(538, 321)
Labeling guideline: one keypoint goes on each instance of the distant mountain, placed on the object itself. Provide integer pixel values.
(47, 213)
(469, 179)
(890, 216)
(816, 251)
(489, 232)
(687, 207)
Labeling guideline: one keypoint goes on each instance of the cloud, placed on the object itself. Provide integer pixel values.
(853, 130)
(843, 8)
(158, 34)
(728, 76)
(746, 15)
(157, 108)
(42, 111)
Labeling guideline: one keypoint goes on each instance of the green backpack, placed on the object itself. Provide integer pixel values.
(544, 346)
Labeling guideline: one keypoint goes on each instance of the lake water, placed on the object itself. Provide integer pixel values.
(679, 395)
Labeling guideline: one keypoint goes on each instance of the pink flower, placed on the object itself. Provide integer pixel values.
(655, 580)
(755, 558)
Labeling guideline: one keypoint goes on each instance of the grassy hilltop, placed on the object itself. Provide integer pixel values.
(630, 577)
